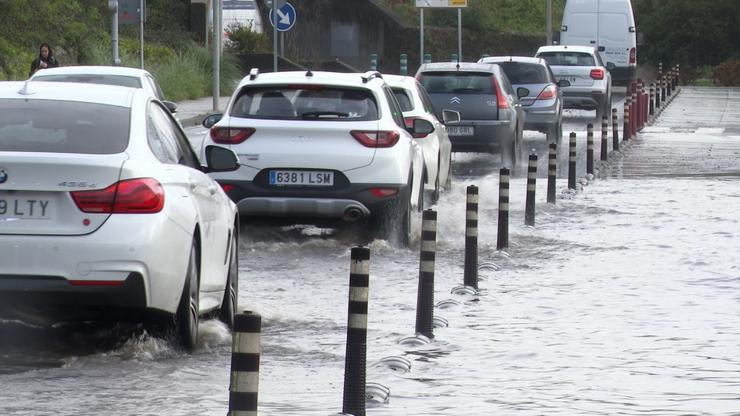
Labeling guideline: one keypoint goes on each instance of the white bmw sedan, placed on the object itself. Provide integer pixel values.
(106, 213)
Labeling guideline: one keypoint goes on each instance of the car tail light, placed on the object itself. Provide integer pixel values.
(597, 73)
(131, 196)
(633, 56)
(376, 138)
(383, 192)
(409, 121)
(227, 187)
(548, 93)
(500, 99)
(226, 135)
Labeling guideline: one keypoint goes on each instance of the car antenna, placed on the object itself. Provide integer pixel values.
(309, 73)
(458, 65)
(25, 90)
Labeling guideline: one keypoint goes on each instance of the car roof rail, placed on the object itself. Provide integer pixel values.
(367, 76)
(253, 73)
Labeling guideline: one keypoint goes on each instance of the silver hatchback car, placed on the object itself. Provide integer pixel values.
(538, 91)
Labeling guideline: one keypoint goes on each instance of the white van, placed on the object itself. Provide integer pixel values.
(241, 13)
(610, 26)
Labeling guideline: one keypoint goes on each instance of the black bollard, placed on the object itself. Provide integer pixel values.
(651, 109)
(425, 295)
(503, 209)
(245, 364)
(678, 75)
(552, 172)
(590, 149)
(663, 92)
(615, 130)
(470, 277)
(356, 355)
(531, 189)
(604, 139)
(657, 93)
(572, 162)
(627, 126)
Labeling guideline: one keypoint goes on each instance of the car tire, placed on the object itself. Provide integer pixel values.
(188, 314)
(231, 292)
(448, 181)
(510, 154)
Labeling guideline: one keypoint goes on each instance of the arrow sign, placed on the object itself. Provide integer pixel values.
(286, 17)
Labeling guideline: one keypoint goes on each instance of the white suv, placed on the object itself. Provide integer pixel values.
(322, 146)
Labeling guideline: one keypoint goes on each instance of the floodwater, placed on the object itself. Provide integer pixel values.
(623, 299)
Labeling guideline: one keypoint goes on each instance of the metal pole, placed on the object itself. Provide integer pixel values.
(141, 32)
(216, 42)
(421, 36)
(459, 34)
(549, 22)
(275, 8)
(113, 7)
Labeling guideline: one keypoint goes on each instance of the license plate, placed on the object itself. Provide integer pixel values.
(301, 178)
(460, 130)
(25, 208)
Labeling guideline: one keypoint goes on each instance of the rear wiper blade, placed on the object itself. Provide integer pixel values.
(322, 114)
(468, 89)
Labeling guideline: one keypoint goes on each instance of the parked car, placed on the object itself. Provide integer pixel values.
(107, 75)
(318, 146)
(105, 212)
(590, 83)
(492, 119)
(609, 25)
(538, 91)
(437, 148)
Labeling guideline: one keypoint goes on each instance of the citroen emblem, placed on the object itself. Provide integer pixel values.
(455, 100)
(3, 175)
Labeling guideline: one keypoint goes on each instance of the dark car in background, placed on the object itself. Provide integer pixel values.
(538, 91)
(491, 117)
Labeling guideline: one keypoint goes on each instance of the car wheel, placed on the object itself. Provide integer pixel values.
(187, 316)
(448, 181)
(509, 155)
(231, 292)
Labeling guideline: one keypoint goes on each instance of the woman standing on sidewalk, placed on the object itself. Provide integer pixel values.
(45, 59)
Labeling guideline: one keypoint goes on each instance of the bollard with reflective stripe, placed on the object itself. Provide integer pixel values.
(651, 110)
(615, 129)
(245, 364)
(531, 188)
(669, 83)
(404, 64)
(356, 355)
(470, 277)
(604, 139)
(678, 74)
(626, 132)
(663, 92)
(572, 162)
(657, 93)
(373, 61)
(590, 149)
(425, 294)
(552, 172)
(427, 58)
(633, 113)
(454, 58)
(502, 239)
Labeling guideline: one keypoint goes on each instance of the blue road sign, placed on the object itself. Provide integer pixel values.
(286, 17)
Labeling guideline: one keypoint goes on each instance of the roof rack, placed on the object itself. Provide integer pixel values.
(367, 76)
(253, 73)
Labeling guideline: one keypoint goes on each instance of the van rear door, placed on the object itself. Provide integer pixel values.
(615, 38)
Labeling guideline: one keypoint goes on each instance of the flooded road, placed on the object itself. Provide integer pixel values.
(624, 299)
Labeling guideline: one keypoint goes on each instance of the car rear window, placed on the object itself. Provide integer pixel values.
(404, 99)
(525, 73)
(63, 127)
(119, 80)
(568, 58)
(306, 102)
(458, 82)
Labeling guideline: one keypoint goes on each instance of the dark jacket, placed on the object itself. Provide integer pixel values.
(51, 62)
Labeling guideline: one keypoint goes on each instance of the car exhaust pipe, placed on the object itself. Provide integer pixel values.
(353, 214)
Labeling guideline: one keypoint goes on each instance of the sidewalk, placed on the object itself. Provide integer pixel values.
(191, 112)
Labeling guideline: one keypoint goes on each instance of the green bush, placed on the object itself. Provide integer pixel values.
(242, 41)
(15, 62)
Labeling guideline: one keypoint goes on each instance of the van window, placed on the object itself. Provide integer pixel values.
(458, 82)
(525, 73)
(306, 102)
(568, 58)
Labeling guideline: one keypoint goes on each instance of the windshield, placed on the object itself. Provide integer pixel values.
(525, 73)
(306, 102)
(63, 127)
(568, 58)
(404, 99)
(458, 82)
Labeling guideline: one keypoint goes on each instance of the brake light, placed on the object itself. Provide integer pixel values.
(227, 187)
(633, 56)
(376, 138)
(500, 99)
(383, 192)
(549, 92)
(226, 135)
(597, 73)
(131, 196)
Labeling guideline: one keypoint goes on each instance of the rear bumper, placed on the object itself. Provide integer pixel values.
(489, 136)
(540, 119)
(585, 100)
(623, 75)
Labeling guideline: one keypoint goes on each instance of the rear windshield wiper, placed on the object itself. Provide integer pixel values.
(323, 114)
(468, 89)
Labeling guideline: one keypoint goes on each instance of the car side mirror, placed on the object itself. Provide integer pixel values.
(450, 116)
(422, 127)
(522, 92)
(221, 159)
(170, 106)
(212, 119)
(563, 83)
